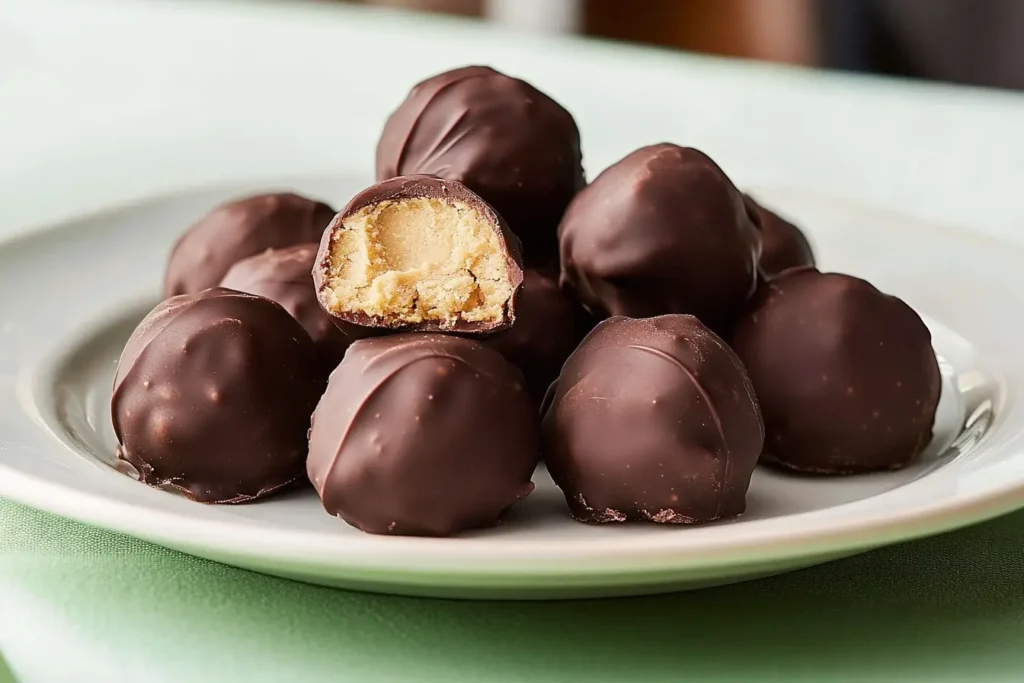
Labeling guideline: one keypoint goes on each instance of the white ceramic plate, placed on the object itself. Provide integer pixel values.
(73, 293)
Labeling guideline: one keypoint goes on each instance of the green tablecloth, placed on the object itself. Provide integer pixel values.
(78, 604)
(5, 673)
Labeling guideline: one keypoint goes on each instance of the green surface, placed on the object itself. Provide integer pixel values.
(946, 608)
(5, 673)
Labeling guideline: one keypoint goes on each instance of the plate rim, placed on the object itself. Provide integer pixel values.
(585, 559)
(386, 553)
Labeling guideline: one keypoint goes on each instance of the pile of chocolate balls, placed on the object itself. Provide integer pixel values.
(650, 336)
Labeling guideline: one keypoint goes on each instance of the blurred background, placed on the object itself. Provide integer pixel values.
(978, 42)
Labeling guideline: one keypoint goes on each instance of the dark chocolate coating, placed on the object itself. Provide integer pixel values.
(237, 230)
(422, 435)
(664, 230)
(783, 245)
(426, 187)
(653, 420)
(501, 137)
(547, 329)
(284, 276)
(846, 375)
(213, 396)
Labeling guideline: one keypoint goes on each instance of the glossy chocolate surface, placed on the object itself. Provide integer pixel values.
(505, 140)
(846, 375)
(548, 326)
(423, 434)
(285, 276)
(237, 230)
(783, 245)
(662, 231)
(213, 396)
(653, 420)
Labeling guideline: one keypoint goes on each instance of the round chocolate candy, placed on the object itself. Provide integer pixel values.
(285, 276)
(653, 420)
(661, 231)
(846, 375)
(238, 230)
(501, 137)
(548, 326)
(422, 435)
(783, 245)
(213, 396)
(419, 253)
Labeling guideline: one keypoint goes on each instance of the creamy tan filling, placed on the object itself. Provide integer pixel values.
(417, 260)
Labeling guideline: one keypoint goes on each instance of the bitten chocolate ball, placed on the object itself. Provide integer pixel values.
(783, 245)
(501, 137)
(237, 230)
(423, 435)
(846, 375)
(653, 420)
(549, 325)
(213, 396)
(662, 231)
(285, 276)
(419, 253)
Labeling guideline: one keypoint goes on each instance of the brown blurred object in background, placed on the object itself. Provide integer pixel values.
(978, 42)
(775, 30)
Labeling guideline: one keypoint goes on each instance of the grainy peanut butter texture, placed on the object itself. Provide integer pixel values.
(422, 254)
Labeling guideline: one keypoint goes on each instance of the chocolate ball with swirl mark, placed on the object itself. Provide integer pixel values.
(653, 420)
(505, 140)
(423, 434)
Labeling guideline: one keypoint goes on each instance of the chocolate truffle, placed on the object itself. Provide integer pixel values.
(213, 396)
(238, 230)
(285, 276)
(845, 374)
(419, 253)
(661, 231)
(501, 137)
(783, 245)
(422, 435)
(653, 420)
(548, 326)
